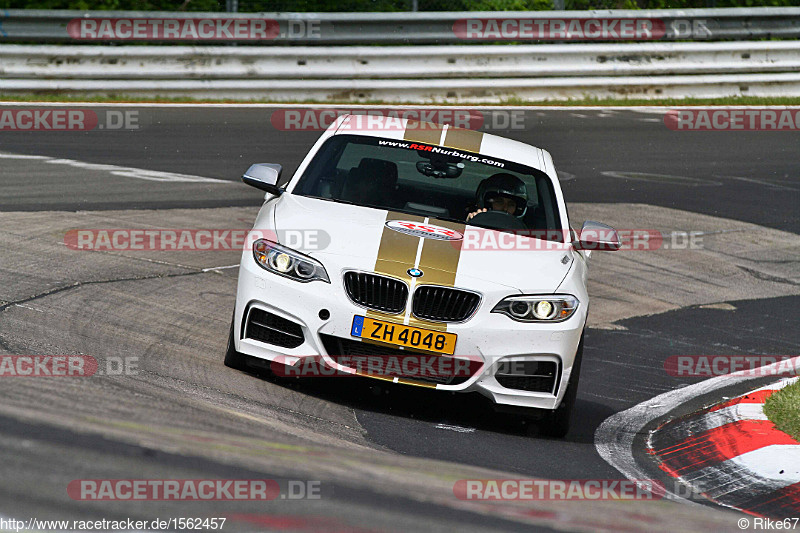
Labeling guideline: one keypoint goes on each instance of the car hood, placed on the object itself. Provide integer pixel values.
(361, 238)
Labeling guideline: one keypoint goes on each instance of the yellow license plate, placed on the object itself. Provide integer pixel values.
(406, 336)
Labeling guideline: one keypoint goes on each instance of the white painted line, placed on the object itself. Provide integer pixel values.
(29, 307)
(125, 172)
(614, 438)
(138, 173)
(458, 429)
(20, 156)
(668, 179)
(762, 182)
(220, 268)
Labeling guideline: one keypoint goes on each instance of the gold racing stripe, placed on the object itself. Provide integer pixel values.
(423, 132)
(396, 254)
(439, 260)
(397, 251)
(462, 139)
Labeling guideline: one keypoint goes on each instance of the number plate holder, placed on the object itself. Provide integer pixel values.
(422, 339)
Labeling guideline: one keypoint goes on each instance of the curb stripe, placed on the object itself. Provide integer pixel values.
(786, 499)
(758, 397)
(776, 463)
(747, 463)
(738, 481)
(615, 438)
(719, 444)
(674, 432)
(730, 484)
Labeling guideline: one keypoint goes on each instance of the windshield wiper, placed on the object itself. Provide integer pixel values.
(348, 202)
(335, 200)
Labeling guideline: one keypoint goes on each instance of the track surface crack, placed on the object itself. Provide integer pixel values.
(78, 284)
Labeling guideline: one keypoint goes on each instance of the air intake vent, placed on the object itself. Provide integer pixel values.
(532, 376)
(273, 329)
(420, 367)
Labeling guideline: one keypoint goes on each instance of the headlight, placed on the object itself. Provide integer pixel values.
(550, 308)
(287, 262)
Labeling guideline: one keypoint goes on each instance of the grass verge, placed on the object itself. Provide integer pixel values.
(608, 102)
(783, 409)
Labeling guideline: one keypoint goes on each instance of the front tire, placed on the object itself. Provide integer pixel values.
(234, 359)
(557, 423)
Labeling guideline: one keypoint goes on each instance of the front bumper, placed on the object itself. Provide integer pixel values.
(489, 337)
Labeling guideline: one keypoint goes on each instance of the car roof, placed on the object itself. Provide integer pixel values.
(446, 136)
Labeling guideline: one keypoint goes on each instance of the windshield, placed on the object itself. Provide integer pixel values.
(431, 181)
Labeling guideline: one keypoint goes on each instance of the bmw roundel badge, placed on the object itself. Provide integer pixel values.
(414, 272)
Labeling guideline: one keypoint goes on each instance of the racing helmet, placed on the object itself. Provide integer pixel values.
(503, 185)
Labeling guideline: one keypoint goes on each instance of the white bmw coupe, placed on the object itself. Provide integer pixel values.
(441, 257)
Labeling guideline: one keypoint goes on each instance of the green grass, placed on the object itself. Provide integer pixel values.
(787, 101)
(783, 409)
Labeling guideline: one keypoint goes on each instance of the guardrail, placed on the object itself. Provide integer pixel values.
(396, 28)
(425, 74)
(380, 62)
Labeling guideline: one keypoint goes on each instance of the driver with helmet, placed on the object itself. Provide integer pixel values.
(501, 192)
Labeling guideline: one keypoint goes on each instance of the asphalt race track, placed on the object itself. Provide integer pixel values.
(385, 457)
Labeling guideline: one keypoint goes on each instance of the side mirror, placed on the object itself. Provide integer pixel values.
(597, 236)
(264, 176)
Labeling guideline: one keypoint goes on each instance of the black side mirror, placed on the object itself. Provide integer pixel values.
(264, 176)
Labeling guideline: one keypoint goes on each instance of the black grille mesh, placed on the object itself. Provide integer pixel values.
(444, 304)
(376, 292)
(527, 383)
